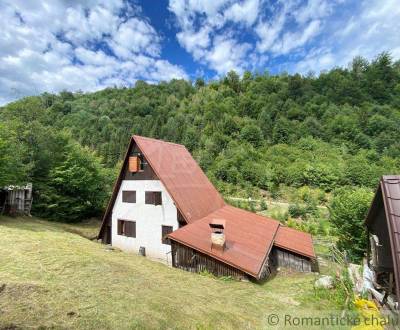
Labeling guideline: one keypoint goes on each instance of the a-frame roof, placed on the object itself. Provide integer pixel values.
(194, 195)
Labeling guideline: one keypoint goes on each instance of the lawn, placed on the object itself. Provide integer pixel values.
(51, 276)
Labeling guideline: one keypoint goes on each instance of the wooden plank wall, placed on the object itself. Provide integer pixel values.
(287, 259)
(193, 261)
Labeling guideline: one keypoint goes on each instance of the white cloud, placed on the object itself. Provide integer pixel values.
(246, 12)
(293, 40)
(226, 54)
(269, 32)
(201, 31)
(81, 45)
(372, 30)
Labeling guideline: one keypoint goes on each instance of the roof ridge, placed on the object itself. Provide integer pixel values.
(157, 140)
(256, 214)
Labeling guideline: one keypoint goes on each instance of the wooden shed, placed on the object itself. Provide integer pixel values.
(15, 200)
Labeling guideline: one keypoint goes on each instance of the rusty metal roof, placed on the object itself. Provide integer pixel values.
(295, 241)
(389, 192)
(193, 193)
(249, 238)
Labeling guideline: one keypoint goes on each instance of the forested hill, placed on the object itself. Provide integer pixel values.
(259, 130)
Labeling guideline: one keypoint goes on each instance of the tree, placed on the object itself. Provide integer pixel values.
(252, 134)
(13, 167)
(76, 188)
(348, 210)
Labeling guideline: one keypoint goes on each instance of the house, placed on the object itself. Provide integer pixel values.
(164, 206)
(16, 200)
(383, 227)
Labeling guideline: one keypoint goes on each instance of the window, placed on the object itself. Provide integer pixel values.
(153, 197)
(165, 230)
(126, 228)
(129, 196)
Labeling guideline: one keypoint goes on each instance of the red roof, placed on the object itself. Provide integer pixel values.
(295, 241)
(193, 193)
(249, 238)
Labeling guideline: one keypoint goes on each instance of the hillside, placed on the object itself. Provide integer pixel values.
(249, 133)
(52, 277)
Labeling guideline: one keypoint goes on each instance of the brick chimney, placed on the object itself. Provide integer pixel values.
(217, 234)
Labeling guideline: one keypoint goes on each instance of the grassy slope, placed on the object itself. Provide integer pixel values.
(54, 277)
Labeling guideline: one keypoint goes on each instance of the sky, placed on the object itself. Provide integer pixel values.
(88, 45)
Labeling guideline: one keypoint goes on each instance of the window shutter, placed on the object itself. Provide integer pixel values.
(128, 196)
(132, 229)
(119, 227)
(157, 198)
(165, 230)
(134, 164)
(149, 197)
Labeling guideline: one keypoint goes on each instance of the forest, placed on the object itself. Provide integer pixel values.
(338, 130)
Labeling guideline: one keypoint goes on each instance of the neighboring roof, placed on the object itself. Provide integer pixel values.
(194, 195)
(389, 192)
(295, 241)
(249, 238)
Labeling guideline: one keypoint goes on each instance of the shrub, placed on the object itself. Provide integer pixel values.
(347, 212)
(297, 211)
(263, 205)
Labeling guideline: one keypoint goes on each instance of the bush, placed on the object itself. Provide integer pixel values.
(263, 205)
(297, 211)
(347, 212)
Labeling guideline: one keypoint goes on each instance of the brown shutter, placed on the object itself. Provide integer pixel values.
(128, 196)
(157, 198)
(119, 227)
(131, 228)
(134, 164)
(165, 230)
(149, 197)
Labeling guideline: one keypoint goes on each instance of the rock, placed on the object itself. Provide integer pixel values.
(325, 282)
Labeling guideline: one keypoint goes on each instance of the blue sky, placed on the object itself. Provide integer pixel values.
(88, 45)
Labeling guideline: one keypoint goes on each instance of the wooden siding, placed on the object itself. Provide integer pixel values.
(290, 260)
(193, 261)
(146, 173)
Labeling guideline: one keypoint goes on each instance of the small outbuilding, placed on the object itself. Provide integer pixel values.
(16, 200)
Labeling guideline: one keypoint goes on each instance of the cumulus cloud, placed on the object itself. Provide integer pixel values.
(79, 45)
(291, 35)
(368, 32)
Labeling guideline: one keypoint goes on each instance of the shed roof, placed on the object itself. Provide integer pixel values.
(388, 192)
(295, 241)
(249, 238)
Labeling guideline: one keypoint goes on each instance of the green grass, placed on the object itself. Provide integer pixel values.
(53, 277)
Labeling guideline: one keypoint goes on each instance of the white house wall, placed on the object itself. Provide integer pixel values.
(148, 218)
